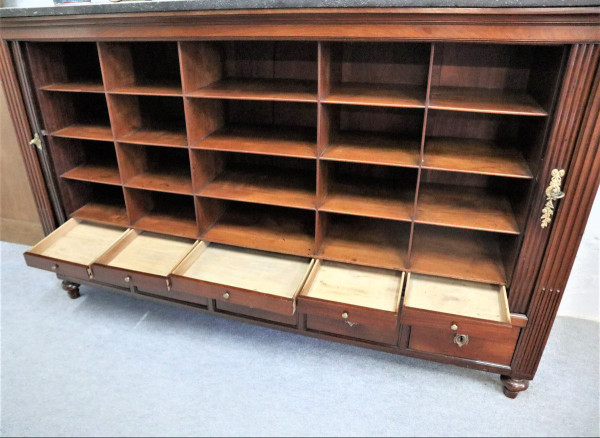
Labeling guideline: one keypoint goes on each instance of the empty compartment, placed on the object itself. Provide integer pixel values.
(85, 160)
(76, 115)
(269, 228)
(93, 201)
(250, 178)
(365, 190)
(71, 249)
(493, 78)
(148, 120)
(383, 74)
(142, 260)
(353, 296)
(155, 168)
(258, 70)
(65, 66)
(472, 201)
(364, 241)
(257, 279)
(463, 254)
(162, 212)
(267, 128)
(488, 144)
(372, 135)
(141, 68)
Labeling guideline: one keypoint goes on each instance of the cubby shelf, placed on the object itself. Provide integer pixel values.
(162, 181)
(85, 132)
(401, 96)
(75, 87)
(95, 173)
(463, 254)
(155, 137)
(484, 100)
(266, 228)
(285, 142)
(105, 212)
(149, 89)
(361, 147)
(291, 90)
(465, 207)
(284, 188)
(475, 156)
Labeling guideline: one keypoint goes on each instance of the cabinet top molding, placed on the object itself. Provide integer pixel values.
(501, 25)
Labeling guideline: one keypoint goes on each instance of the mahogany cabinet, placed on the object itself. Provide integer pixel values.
(411, 180)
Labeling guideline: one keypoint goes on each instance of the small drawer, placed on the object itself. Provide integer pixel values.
(463, 307)
(142, 259)
(354, 295)
(255, 279)
(358, 331)
(265, 315)
(73, 247)
(477, 347)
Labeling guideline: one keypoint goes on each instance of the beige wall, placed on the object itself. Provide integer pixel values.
(19, 221)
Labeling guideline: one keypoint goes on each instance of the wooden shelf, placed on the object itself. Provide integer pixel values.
(149, 89)
(484, 100)
(260, 89)
(96, 173)
(465, 207)
(103, 212)
(269, 229)
(76, 87)
(401, 96)
(269, 187)
(163, 181)
(462, 254)
(168, 224)
(265, 140)
(474, 156)
(361, 147)
(156, 138)
(85, 132)
(371, 199)
(369, 242)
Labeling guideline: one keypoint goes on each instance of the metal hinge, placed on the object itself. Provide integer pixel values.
(36, 141)
(168, 284)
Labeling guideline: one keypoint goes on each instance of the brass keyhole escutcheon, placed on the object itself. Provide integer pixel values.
(127, 279)
(461, 340)
(226, 295)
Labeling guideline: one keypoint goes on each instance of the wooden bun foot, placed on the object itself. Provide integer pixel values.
(72, 289)
(512, 387)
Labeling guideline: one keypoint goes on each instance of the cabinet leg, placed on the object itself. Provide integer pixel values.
(71, 288)
(512, 387)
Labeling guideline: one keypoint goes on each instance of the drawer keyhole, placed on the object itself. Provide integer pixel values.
(461, 340)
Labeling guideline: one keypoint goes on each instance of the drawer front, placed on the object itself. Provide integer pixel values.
(223, 306)
(187, 298)
(243, 297)
(347, 313)
(358, 331)
(498, 349)
(61, 267)
(455, 323)
(128, 278)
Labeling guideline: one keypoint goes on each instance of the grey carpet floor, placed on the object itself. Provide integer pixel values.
(109, 364)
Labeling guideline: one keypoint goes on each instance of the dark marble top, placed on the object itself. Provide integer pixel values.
(197, 5)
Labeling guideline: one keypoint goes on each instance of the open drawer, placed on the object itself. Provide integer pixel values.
(256, 279)
(459, 318)
(142, 259)
(354, 296)
(72, 248)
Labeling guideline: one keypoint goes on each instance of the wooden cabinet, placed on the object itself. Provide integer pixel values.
(386, 178)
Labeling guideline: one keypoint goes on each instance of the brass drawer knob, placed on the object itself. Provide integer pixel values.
(226, 295)
(127, 279)
(461, 340)
(54, 267)
(453, 327)
(345, 315)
